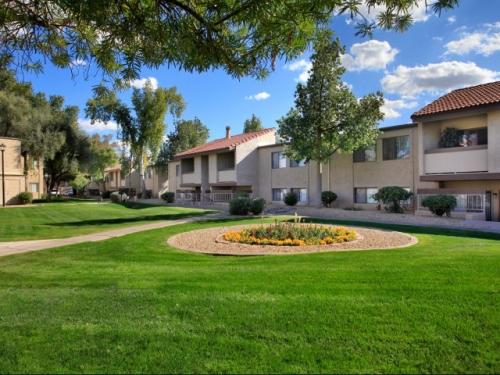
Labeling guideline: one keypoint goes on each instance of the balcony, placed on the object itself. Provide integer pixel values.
(456, 160)
(228, 175)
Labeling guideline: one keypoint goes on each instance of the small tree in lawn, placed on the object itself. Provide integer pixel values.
(327, 117)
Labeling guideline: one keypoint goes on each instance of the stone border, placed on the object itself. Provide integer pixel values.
(208, 241)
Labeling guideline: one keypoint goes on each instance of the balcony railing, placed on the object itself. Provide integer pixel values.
(214, 197)
(465, 202)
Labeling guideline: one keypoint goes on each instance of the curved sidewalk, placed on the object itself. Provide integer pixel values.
(19, 247)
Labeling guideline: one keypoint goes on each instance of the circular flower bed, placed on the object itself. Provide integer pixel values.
(291, 234)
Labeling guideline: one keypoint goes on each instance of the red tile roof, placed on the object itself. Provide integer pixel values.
(224, 143)
(488, 93)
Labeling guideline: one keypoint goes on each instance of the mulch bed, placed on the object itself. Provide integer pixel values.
(210, 241)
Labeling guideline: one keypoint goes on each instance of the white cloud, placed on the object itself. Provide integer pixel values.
(77, 62)
(259, 96)
(452, 19)
(418, 12)
(87, 126)
(370, 55)
(140, 83)
(390, 107)
(435, 78)
(304, 66)
(482, 43)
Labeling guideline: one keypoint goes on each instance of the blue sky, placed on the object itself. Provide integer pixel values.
(438, 54)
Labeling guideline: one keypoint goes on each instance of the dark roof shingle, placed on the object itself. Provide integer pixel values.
(223, 143)
(468, 97)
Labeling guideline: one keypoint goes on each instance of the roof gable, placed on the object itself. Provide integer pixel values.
(469, 97)
(224, 143)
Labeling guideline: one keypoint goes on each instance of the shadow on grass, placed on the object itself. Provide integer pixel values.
(395, 227)
(128, 220)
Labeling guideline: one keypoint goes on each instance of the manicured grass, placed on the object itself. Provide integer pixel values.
(132, 304)
(66, 219)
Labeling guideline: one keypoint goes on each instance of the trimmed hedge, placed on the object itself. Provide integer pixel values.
(291, 198)
(440, 204)
(168, 197)
(243, 205)
(392, 196)
(328, 197)
(25, 197)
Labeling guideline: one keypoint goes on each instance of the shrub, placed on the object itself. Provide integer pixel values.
(328, 197)
(25, 197)
(239, 205)
(291, 198)
(257, 206)
(392, 196)
(117, 197)
(440, 204)
(106, 194)
(168, 197)
(148, 194)
(291, 234)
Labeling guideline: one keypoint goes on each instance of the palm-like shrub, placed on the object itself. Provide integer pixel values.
(391, 197)
(328, 197)
(440, 204)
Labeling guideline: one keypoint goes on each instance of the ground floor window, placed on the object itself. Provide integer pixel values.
(364, 195)
(33, 187)
(301, 193)
(278, 194)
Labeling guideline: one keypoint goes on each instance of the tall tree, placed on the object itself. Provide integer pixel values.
(327, 117)
(143, 129)
(187, 134)
(74, 154)
(103, 155)
(244, 37)
(252, 124)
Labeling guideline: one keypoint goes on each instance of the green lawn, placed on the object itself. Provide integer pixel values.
(132, 304)
(66, 219)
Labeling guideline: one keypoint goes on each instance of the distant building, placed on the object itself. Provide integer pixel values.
(22, 172)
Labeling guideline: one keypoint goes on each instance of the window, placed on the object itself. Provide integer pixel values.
(278, 194)
(297, 163)
(187, 165)
(472, 137)
(225, 161)
(396, 148)
(34, 164)
(34, 187)
(278, 160)
(367, 154)
(177, 168)
(301, 193)
(364, 195)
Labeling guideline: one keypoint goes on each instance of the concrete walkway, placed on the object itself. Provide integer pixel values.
(18, 247)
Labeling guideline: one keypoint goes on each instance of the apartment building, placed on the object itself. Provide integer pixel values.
(459, 135)
(216, 170)
(353, 177)
(22, 172)
(452, 147)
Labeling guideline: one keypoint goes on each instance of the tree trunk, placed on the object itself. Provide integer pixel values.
(317, 188)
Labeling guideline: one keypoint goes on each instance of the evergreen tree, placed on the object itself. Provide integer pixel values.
(327, 117)
(252, 124)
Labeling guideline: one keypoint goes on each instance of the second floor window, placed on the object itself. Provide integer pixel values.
(225, 161)
(278, 160)
(366, 154)
(472, 137)
(187, 165)
(396, 148)
(297, 163)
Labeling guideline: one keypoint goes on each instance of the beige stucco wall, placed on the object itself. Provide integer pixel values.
(493, 122)
(35, 175)
(246, 159)
(15, 181)
(174, 182)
